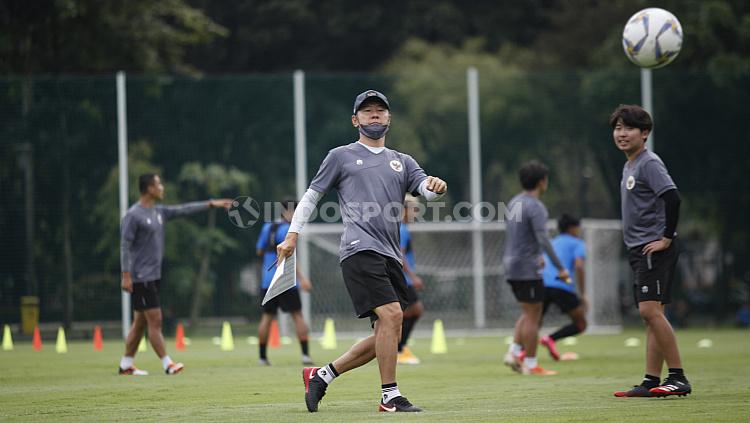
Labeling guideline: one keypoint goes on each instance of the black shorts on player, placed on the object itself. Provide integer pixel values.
(654, 273)
(374, 280)
(288, 301)
(566, 301)
(528, 291)
(145, 295)
(413, 296)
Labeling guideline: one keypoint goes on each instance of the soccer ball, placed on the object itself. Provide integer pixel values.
(652, 38)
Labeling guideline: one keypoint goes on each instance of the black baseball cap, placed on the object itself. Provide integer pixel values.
(366, 95)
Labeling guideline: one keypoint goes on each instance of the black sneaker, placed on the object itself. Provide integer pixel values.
(399, 404)
(672, 387)
(315, 388)
(637, 391)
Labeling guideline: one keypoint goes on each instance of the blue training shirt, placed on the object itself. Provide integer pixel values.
(269, 256)
(409, 255)
(568, 248)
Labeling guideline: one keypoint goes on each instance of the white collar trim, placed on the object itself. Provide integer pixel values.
(374, 150)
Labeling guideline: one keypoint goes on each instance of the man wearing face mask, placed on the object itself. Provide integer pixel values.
(371, 181)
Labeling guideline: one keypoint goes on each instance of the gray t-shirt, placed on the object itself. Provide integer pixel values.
(142, 238)
(523, 254)
(371, 190)
(643, 181)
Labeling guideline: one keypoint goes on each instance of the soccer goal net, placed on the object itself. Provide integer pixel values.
(465, 286)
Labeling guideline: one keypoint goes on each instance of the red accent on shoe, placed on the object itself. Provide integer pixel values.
(307, 374)
(550, 344)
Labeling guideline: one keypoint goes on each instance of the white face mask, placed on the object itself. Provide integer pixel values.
(374, 131)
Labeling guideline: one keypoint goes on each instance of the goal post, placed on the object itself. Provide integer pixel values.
(445, 260)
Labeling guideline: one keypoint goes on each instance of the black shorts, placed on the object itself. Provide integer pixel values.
(528, 291)
(288, 301)
(145, 295)
(653, 273)
(373, 280)
(565, 300)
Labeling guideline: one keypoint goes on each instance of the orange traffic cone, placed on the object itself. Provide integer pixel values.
(98, 344)
(274, 340)
(37, 342)
(180, 338)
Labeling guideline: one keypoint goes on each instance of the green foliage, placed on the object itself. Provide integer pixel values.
(66, 36)
(186, 240)
(523, 116)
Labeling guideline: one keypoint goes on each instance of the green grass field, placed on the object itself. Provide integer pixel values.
(467, 384)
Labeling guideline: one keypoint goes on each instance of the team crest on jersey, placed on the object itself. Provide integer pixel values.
(396, 165)
(360, 162)
(630, 183)
(148, 220)
(644, 289)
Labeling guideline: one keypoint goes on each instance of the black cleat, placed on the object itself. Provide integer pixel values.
(637, 391)
(315, 388)
(399, 404)
(672, 387)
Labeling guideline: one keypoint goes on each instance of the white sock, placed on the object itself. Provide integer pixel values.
(390, 392)
(516, 349)
(530, 362)
(126, 362)
(166, 361)
(327, 374)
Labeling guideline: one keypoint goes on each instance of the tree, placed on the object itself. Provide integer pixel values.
(213, 180)
(91, 36)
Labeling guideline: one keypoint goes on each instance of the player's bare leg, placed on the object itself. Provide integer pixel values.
(577, 325)
(299, 325)
(652, 313)
(654, 357)
(529, 330)
(517, 330)
(387, 335)
(131, 346)
(578, 316)
(411, 315)
(137, 329)
(532, 316)
(154, 322)
(302, 335)
(663, 336)
(514, 357)
(263, 329)
(359, 354)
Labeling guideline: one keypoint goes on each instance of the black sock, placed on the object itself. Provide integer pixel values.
(566, 331)
(263, 352)
(678, 374)
(650, 381)
(333, 369)
(406, 328)
(305, 347)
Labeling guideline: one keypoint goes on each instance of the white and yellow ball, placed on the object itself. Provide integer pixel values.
(652, 38)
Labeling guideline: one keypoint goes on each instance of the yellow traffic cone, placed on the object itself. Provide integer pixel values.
(439, 345)
(142, 345)
(227, 341)
(328, 342)
(62, 345)
(7, 339)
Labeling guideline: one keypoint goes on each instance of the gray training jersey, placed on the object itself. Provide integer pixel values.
(643, 181)
(523, 254)
(142, 238)
(371, 190)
